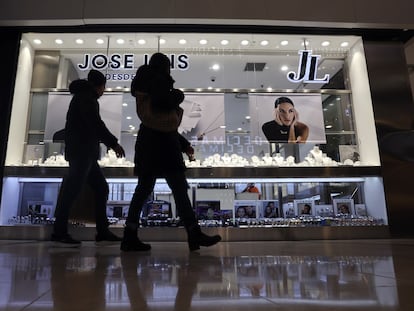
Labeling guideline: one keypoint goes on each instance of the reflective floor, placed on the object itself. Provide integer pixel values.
(305, 275)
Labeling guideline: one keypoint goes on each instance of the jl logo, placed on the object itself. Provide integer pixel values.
(307, 70)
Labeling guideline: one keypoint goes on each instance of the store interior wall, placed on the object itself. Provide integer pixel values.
(394, 112)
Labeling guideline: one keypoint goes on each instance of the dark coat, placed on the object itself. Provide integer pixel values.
(84, 128)
(159, 153)
(160, 87)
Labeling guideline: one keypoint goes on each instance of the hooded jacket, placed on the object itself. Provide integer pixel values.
(84, 128)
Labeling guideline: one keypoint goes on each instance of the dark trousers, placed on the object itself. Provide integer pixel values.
(82, 172)
(179, 186)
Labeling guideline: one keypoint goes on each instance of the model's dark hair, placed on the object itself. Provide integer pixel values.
(96, 78)
(283, 100)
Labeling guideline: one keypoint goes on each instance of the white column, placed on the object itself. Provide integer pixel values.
(362, 106)
(20, 109)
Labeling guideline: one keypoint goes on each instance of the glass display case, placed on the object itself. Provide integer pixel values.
(329, 178)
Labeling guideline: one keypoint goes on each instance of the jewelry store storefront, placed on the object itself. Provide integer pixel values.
(248, 181)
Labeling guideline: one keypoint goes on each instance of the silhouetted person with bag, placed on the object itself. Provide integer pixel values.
(158, 152)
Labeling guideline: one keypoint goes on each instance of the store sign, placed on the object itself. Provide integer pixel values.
(117, 61)
(307, 69)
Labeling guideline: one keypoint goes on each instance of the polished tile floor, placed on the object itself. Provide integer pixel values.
(302, 275)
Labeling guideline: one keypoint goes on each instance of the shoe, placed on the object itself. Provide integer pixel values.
(65, 241)
(131, 243)
(136, 246)
(107, 238)
(196, 238)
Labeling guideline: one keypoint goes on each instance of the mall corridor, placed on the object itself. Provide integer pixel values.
(288, 275)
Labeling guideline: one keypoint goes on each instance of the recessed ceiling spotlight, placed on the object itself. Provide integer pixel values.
(141, 41)
(244, 42)
(247, 117)
(269, 89)
(162, 41)
(264, 43)
(100, 41)
(305, 43)
(224, 42)
(215, 67)
(198, 89)
(222, 126)
(344, 44)
(284, 42)
(325, 43)
(59, 41)
(120, 41)
(79, 41)
(37, 41)
(125, 104)
(284, 68)
(128, 118)
(203, 41)
(182, 41)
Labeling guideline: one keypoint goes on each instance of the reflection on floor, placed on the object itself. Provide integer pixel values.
(305, 275)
